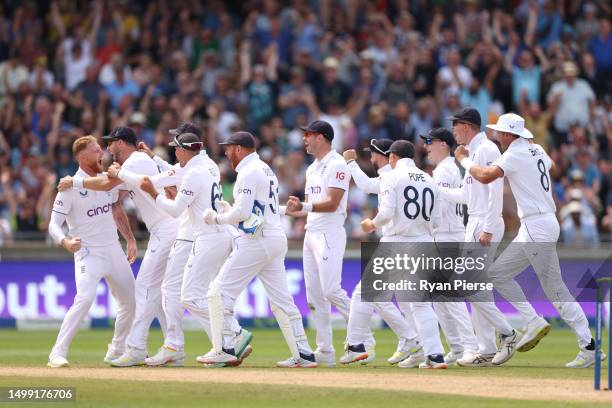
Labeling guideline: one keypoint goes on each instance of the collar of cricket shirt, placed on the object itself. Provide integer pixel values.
(476, 141)
(327, 157)
(405, 162)
(384, 169)
(247, 159)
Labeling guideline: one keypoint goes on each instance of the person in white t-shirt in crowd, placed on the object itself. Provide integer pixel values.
(93, 218)
(326, 196)
(360, 341)
(162, 228)
(448, 227)
(527, 168)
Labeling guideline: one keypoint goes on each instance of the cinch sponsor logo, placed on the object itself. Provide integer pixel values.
(244, 191)
(468, 180)
(314, 189)
(186, 192)
(99, 210)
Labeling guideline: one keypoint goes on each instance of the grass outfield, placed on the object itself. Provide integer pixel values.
(181, 387)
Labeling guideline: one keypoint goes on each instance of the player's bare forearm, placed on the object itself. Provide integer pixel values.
(331, 203)
(100, 183)
(122, 222)
(486, 175)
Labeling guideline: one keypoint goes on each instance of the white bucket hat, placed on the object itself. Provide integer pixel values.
(511, 123)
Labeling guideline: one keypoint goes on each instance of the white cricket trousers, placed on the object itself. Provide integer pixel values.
(486, 317)
(262, 257)
(171, 293)
(90, 265)
(545, 261)
(323, 256)
(454, 317)
(206, 257)
(358, 329)
(149, 281)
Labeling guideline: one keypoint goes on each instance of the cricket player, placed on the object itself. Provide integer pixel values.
(411, 222)
(360, 341)
(199, 190)
(172, 351)
(327, 184)
(162, 229)
(448, 227)
(527, 168)
(259, 251)
(93, 219)
(485, 222)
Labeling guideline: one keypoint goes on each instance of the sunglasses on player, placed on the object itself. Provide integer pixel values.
(188, 145)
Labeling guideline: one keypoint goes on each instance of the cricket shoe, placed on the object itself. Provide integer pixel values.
(112, 354)
(354, 353)
(57, 362)
(405, 349)
(245, 353)
(434, 361)
(585, 359)
(476, 360)
(536, 330)
(371, 356)
(241, 341)
(413, 361)
(166, 356)
(132, 357)
(507, 347)
(217, 358)
(305, 361)
(325, 358)
(452, 357)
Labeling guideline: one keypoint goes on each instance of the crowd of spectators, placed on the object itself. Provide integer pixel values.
(373, 69)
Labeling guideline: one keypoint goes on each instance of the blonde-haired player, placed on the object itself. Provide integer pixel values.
(93, 219)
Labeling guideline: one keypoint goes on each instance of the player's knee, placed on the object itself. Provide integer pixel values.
(330, 295)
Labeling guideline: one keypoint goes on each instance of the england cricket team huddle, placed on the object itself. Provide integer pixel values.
(203, 251)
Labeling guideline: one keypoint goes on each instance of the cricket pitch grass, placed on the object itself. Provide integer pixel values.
(534, 379)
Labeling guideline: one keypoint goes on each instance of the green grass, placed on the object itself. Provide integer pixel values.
(32, 348)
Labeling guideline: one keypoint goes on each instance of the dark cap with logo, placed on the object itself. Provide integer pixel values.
(467, 115)
(244, 139)
(189, 141)
(380, 146)
(442, 134)
(322, 127)
(403, 149)
(188, 127)
(122, 133)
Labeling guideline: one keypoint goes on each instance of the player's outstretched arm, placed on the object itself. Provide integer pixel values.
(98, 183)
(124, 228)
(334, 196)
(484, 174)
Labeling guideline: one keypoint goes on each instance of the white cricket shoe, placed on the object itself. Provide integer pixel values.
(536, 330)
(434, 361)
(325, 358)
(241, 341)
(57, 362)
(405, 349)
(585, 359)
(304, 361)
(132, 357)
(476, 360)
(354, 353)
(167, 356)
(507, 348)
(451, 357)
(413, 361)
(216, 358)
(112, 354)
(371, 356)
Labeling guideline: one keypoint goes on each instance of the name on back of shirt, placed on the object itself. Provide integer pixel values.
(416, 177)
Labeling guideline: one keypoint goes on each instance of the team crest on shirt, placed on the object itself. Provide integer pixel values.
(59, 203)
(323, 169)
(84, 194)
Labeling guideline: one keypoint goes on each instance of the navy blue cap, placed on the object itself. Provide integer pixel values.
(380, 146)
(442, 134)
(188, 127)
(188, 141)
(322, 127)
(244, 139)
(122, 133)
(403, 148)
(467, 115)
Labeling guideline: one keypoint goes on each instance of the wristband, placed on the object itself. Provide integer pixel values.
(77, 182)
(350, 161)
(467, 163)
(282, 209)
(307, 207)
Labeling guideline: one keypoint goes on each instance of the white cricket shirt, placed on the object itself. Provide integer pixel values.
(329, 172)
(89, 214)
(449, 215)
(527, 168)
(370, 185)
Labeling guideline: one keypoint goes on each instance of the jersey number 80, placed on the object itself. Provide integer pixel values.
(412, 207)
